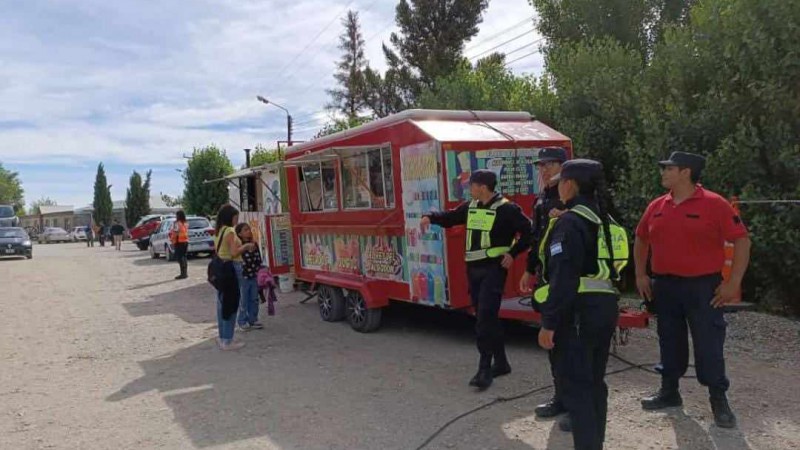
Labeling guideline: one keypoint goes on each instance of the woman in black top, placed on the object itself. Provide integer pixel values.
(248, 285)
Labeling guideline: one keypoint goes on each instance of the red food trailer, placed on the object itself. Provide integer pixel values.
(357, 197)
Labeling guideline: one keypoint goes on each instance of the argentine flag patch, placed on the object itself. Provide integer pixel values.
(555, 249)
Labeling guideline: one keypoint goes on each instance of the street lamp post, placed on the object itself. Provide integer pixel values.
(288, 120)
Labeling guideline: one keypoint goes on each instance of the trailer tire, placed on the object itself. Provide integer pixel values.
(361, 318)
(332, 306)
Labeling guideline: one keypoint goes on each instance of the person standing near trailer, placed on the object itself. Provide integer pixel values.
(684, 233)
(582, 252)
(547, 206)
(117, 230)
(497, 232)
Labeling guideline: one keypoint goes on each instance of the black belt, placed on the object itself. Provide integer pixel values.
(667, 276)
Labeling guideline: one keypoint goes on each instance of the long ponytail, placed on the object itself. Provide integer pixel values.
(603, 206)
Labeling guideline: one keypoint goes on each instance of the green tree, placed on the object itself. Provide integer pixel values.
(137, 200)
(490, 85)
(171, 201)
(262, 155)
(429, 46)
(727, 86)
(337, 125)
(35, 208)
(103, 206)
(207, 163)
(634, 24)
(349, 97)
(11, 192)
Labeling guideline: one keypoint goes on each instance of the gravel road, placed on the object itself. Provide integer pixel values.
(104, 350)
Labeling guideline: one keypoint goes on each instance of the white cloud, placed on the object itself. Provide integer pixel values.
(136, 83)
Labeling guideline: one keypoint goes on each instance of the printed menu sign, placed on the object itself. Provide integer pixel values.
(515, 169)
(282, 247)
(425, 252)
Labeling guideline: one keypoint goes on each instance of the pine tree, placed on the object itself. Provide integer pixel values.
(349, 97)
(137, 200)
(103, 206)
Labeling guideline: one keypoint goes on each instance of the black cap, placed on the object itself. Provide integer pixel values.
(685, 159)
(484, 177)
(580, 170)
(551, 154)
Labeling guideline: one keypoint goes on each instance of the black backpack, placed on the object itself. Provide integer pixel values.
(220, 272)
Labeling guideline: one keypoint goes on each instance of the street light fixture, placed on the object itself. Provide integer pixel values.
(288, 119)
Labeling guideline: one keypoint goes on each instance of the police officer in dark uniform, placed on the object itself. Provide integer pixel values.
(684, 233)
(497, 231)
(547, 206)
(582, 253)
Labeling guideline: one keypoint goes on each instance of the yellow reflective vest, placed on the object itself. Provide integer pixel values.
(481, 220)
(602, 281)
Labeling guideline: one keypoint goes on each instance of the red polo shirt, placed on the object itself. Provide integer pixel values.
(688, 239)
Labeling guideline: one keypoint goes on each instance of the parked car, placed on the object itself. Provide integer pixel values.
(54, 235)
(147, 225)
(15, 242)
(8, 218)
(78, 234)
(201, 238)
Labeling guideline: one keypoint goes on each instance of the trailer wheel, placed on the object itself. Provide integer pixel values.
(361, 318)
(331, 303)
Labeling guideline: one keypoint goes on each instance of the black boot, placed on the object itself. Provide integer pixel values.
(483, 379)
(565, 424)
(723, 416)
(501, 366)
(665, 398)
(184, 269)
(550, 409)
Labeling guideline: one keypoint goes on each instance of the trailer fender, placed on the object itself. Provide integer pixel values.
(367, 289)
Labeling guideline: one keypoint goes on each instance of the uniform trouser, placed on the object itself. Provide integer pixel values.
(486, 284)
(551, 356)
(582, 343)
(684, 304)
(180, 255)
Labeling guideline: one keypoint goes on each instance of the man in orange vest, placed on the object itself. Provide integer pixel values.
(180, 242)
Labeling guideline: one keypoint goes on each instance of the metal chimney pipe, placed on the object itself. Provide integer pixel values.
(247, 157)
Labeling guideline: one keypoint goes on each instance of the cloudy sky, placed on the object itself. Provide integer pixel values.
(138, 83)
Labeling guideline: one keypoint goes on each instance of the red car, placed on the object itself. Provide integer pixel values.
(147, 225)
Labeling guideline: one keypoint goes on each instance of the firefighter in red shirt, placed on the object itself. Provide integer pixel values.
(684, 233)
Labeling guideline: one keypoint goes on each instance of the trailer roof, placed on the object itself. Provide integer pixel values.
(448, 126)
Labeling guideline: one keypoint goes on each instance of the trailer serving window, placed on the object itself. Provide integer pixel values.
(367, 179)
(318, 190)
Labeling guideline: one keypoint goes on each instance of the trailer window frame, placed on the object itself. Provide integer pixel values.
(387, 184)
(305, 199)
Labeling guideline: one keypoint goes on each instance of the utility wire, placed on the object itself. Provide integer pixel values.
(498, 34)
(324, 29)
(486, 52)
(521, 58)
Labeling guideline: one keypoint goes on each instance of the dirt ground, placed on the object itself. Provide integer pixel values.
(102, 349)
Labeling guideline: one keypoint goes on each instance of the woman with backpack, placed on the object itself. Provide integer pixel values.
(229, 250)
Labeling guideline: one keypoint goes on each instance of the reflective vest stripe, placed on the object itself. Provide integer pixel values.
(586, 286)
(493, 252)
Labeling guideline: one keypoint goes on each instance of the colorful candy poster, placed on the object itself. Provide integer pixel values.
(346, 255)
(258, 225)
(515, 169)
(317, 252)
(282, 248)
(424, 252)
(383, 257)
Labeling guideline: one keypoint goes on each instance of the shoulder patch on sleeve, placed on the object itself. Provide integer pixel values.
(555, 249)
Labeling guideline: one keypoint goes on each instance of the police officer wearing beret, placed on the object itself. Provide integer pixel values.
(547, 206)
(582, 252)
(684, 234)
(497, 232)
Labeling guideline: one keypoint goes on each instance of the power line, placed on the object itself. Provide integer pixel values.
(324, 29)
(498, 34)
(520, 36)
(521, 58)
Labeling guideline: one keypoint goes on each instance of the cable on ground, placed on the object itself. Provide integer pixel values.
(630, 366)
